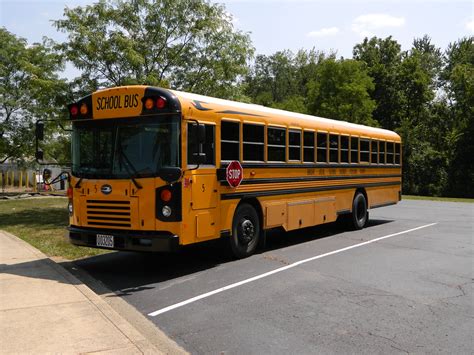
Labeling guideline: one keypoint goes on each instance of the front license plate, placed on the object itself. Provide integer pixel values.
(104, 240)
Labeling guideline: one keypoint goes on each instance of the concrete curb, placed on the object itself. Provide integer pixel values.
(147, 338)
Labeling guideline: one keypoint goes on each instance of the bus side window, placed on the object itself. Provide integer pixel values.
(364, 150)
(344, 149)
(322, 147)
(208, 147)
(230, 141)
(381, 152)
(354, 150)
(276, 144)
(294, 146)
(397, 153)
(253, 142)
(308, 150)
(390, 152)
(333, 148)
(374, 152)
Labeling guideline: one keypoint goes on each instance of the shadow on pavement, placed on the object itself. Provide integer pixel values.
(126, 273)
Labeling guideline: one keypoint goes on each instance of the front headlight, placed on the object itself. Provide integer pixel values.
(166, 210)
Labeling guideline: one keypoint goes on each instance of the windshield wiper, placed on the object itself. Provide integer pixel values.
(130, 168)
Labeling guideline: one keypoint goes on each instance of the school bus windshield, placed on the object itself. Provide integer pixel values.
(124, 148)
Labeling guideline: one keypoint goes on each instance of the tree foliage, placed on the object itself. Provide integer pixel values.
(425, 94)
(184, 44)
(340, 90)
(29, 90)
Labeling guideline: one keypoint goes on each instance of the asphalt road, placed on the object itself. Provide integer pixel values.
(410, 292)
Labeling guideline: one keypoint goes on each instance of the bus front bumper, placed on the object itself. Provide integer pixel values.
(123, 240)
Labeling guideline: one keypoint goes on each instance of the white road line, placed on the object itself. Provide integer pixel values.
(261, 276)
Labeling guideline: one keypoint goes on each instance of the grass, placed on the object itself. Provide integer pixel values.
(443, 199)
(42, 223)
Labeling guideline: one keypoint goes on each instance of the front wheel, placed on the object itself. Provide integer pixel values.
(245, 231)
(360, 215)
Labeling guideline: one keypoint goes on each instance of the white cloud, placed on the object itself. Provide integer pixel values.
(324, 32)
(470, 25)
(365, 25)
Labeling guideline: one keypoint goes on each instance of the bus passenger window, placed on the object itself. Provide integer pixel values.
(333, 148)
(374, 152)
(354, 150)
(230, 138)
(397, 153)
(294, 139)
(308, 150)
(364, 150)
(344, 149)
(276, 144)
(322, 147)
(390, 152)
(381, 152)
(253, 142)
(207, 146)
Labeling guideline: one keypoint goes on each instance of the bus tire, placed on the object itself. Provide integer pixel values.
(360, 215)
(245, 231)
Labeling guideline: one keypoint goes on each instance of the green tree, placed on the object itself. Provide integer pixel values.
(186, 44)
(340, 90)
(422, 129)
(281, 79)
(458, 80)
(30, 89)
(383, 58)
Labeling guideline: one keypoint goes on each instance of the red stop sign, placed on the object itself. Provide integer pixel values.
(234, 173)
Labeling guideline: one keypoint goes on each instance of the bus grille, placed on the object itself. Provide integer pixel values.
(108, 213)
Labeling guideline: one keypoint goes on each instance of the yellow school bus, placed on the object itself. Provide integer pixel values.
(151, 170)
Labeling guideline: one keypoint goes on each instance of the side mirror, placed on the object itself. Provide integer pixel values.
(170, 174)
(39, 155)
(39, 132)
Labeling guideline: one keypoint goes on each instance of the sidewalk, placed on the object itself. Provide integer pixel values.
(45, 309)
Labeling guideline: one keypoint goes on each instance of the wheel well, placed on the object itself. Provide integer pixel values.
(255, 204)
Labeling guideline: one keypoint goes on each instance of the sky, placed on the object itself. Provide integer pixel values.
(273, 25)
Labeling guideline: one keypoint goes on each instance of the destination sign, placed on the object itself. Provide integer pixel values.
(118, 102)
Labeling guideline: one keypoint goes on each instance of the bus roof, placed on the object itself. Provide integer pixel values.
(258, 113)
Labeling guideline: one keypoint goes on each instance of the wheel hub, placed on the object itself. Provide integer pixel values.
(247, 231)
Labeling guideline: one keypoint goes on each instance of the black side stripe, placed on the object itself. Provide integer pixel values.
(315, 166)
(311, 178)
(251, 194)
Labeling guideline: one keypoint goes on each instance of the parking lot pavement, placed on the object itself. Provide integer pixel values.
(403, 284)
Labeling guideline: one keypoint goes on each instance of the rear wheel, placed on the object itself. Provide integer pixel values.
(360, 215)
(245, 231)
